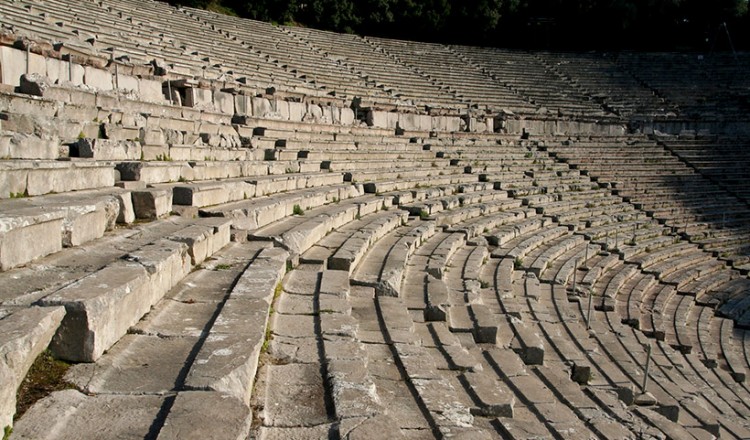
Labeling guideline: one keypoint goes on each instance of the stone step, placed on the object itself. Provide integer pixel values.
(228, 359)
(351, 252)
(99, 314)
(188, 417)
(19, 178)
(385, 186)
(385, 274)
(70, 413)
(300, 232)
(248, 215)
(55, 221)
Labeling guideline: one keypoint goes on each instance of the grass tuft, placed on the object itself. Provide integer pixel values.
(45, 376)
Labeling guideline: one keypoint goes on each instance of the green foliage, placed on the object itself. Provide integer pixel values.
(45, 376)
(508, 23)
(297, 210)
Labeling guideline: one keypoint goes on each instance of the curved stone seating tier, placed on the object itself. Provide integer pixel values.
(378, 68)
(471, 86)
(387, 255)
(719, 159)
(531, 77)
(91, 293)
(687, 202)
(675, 75)
(422, 277)
(599, 76)
(293, 56)
(38, 226)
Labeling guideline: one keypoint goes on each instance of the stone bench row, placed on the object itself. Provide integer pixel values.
(98, 314)
(299, 233)
(91, 297)
(216, 192)
(38, 226)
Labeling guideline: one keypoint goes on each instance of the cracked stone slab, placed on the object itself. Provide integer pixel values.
(71, 415)
(352, 389)
(293, 326)
(291, 304)
(323, 431)
(294, 350)
(294, 396)
(228, 358)
(102, 306)
(137, 364)
(365, 428)
(204, 414)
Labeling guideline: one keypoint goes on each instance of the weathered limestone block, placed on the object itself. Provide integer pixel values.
(60, 415)
(224, 102)
(97, 78)
(63, 177)
(313, 113)
(243, 105)
(126, 214)
(152, 203)
(334, 282)
(282, 109)
(199, 98)
(200, 195)
(228, 360)
(381, 119)
(33, 234)
(24, 334)
(189, 418)
(408, 121)
(154, 172)
(106, 149)
(528, 344)
(88, 221)
(102, 306)
(26, 146)
(437, 300)
(34, 84)
(13, 65)
(297, 111)
(261, 107)
(126, 83)
(150, 91)
(493, 400)
(204, 239)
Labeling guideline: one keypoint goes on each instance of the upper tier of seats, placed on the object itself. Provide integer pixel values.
(156, 39)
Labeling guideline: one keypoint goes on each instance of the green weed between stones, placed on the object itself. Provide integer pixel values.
(45, 376)
(269, 336)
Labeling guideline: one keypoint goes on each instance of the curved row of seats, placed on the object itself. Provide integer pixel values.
(157, 39)
(208, 271)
